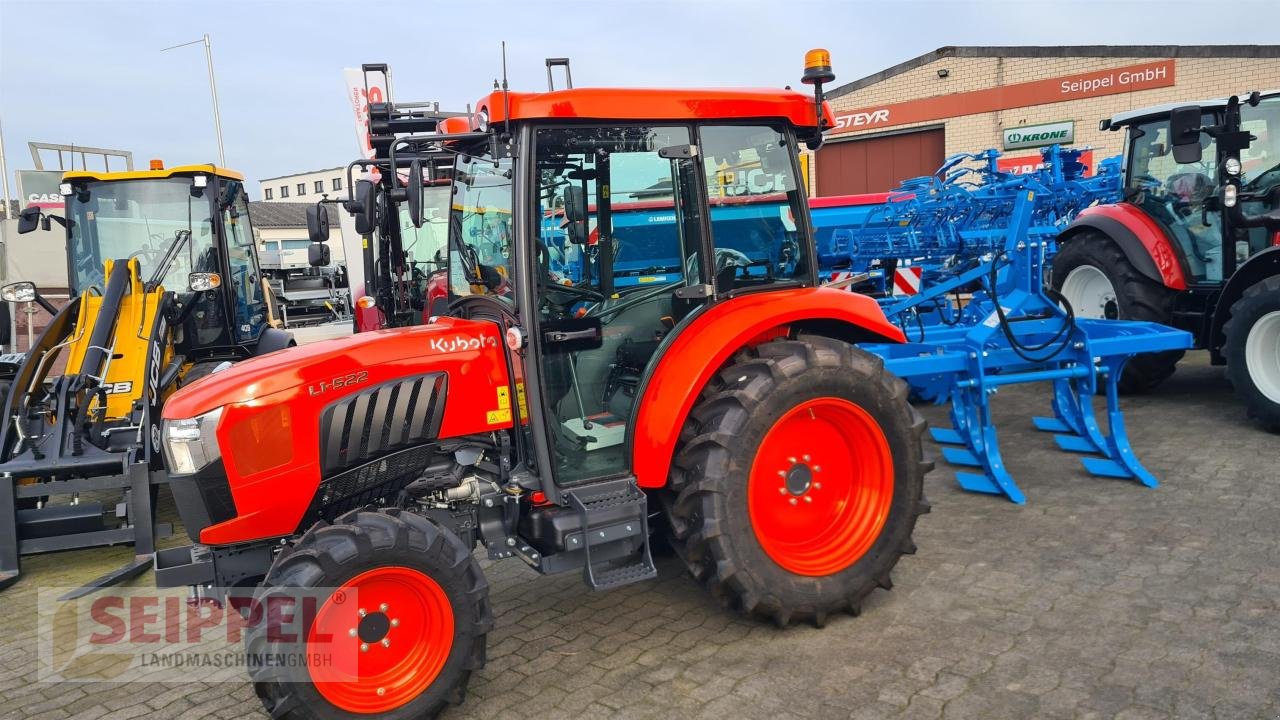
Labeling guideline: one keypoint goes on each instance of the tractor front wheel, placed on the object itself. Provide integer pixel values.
(798, 480)
(1253, 351)
(381, 613)
(1094, 276)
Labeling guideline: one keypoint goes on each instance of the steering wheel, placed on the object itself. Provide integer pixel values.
(459, 305)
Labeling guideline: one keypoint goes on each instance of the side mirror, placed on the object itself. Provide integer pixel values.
(1184, 134)
(415, 193)
(365, 207)
(317, 254)
(24, 291)
(28, 219)
(203, 281)
(575, 212)
(317, 223)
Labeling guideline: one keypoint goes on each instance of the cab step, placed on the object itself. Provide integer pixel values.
(613, 514)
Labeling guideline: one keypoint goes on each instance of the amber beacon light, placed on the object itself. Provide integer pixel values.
(817, 71)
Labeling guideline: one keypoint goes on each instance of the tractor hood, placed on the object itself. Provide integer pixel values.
(324, 367)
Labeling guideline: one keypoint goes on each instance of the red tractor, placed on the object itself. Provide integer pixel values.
(1195, 244)
(559, 422)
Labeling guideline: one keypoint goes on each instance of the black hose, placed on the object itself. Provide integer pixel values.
(1062, 337)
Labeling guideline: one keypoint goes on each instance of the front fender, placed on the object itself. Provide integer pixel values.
(706, 340)
(1139, 237)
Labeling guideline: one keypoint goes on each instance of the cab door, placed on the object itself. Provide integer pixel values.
(244, 277)
(617, 265)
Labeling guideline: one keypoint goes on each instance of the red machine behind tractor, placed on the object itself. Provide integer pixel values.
(552, 421)
(1195, 244)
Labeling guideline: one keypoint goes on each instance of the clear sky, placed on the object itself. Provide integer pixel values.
(92, 73)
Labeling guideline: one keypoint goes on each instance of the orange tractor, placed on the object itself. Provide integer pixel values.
(721, 398)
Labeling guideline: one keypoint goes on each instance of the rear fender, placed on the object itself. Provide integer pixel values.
(1142, 241)
(1256, 269)
(706, 340)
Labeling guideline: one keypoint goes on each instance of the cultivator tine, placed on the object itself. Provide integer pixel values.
(972, 442)
(1075, 428)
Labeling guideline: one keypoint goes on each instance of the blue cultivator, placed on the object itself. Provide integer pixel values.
(1009, 332)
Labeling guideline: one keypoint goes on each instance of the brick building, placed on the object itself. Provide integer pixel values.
(903, 121)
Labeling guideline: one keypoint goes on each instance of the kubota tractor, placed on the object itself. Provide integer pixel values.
(165, 288)
(553, 421)
(1195, 244)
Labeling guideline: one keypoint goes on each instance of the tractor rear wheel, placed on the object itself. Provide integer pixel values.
(1095, 277)
(399, 613)
(1253, 351)
(798, 480)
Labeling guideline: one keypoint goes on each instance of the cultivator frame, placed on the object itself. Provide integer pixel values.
(995, 239)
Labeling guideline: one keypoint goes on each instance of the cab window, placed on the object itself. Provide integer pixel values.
(242, 264)
(753, 200)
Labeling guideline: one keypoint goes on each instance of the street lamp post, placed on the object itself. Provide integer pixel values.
(213, 91)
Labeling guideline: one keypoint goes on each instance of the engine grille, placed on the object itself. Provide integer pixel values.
(381, 420)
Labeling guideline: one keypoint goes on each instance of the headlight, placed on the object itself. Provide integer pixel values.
(191, 444)
(1232, 166)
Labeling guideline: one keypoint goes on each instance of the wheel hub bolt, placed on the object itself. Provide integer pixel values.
(364, 647)
(395, 622)
(793, 501)
(383, 607)
(352, 632)
(363, 612)
(382, 691)
(808, 498)
(386, 642)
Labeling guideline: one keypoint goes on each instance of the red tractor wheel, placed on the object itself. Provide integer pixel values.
(799, 480)
(382, 613)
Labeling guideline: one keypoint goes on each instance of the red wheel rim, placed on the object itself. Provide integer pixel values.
(353, 667)
(821, 487)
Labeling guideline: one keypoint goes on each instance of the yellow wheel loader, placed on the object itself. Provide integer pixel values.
(166, 289)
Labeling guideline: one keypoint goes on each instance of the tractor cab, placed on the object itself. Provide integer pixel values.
(632, 226)
(1172, 174)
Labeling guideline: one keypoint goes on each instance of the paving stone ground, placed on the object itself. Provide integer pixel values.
(1098, 599)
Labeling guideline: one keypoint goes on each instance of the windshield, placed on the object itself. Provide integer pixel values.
(143, 219)
(480, 227)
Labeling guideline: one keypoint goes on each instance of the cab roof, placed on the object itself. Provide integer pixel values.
(178, 170)
(1132, 117)
(649, 104)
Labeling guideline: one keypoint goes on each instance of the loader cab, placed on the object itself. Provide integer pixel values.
(599, 239)
(182, 224)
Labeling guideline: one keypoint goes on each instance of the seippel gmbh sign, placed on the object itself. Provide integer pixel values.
(1029, 136)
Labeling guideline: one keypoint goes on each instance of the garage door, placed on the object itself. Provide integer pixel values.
(877, 164)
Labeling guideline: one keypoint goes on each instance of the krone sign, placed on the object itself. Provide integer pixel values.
(1029, 136)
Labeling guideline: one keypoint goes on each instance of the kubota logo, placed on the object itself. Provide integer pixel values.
(862, 119)
(459, 343)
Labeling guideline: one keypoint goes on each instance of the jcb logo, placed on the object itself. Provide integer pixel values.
(120, 388)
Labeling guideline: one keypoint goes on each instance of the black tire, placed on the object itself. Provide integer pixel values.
(330, 555)
(1259, 300)
(1137, 298)
(708, 503)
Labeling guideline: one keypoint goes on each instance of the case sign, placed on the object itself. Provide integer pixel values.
(1029, 136)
